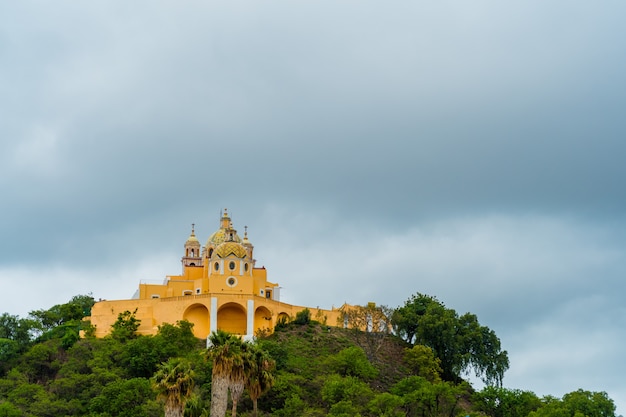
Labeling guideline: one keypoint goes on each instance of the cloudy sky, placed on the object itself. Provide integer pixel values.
(468, 150)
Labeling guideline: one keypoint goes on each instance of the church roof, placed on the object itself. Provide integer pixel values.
(228, 248)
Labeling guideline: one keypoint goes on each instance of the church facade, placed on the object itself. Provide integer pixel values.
(220, 287)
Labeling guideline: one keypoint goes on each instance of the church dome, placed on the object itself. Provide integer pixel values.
(225, 233)
(221, 236)
(231, 248)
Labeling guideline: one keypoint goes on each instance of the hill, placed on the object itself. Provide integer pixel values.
(47, 369)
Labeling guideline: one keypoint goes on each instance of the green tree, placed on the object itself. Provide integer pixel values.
(16, 329)
(241, 365)
(174, 383)
(503, 402)
(62, 321)
(178, 337)
(406, 319)
(125, 327)
(337, 388)
(303, 317)
(352, 361)
(225, 353)
(126, 398)
(386, 405)
(41, 362)
(460, 343)
(422, 398)
(344, 408)
(9, 350)
(578, 403)
(591, 404)
(9, 410)
(421, 361)
(259, 376)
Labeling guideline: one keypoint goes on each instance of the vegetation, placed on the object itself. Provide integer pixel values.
(412, 365)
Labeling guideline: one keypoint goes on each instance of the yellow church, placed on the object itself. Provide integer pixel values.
(220, 288)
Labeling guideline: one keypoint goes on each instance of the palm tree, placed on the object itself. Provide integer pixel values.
(174, 382)
(225, 352)
(260, 378)
(239, 374)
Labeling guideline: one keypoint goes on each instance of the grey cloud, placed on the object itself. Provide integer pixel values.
(476, 148)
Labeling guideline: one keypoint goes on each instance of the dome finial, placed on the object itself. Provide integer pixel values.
(193, 231)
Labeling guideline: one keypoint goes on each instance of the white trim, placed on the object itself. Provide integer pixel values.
(250, 330)
(213, 318)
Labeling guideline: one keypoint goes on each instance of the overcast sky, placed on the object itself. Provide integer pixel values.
(473, 151)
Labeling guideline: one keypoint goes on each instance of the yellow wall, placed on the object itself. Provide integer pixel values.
(236, 294)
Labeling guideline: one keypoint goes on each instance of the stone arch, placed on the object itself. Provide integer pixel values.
(231, 317)
(283, 316)
(263, 319)
(198, 314)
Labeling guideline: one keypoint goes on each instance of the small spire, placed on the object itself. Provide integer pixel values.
(245, 233)
(193, 232)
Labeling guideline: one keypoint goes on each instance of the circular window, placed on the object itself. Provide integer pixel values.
(231, 281)
(216, 265)
(231, 265)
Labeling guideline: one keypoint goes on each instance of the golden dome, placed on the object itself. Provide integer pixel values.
(229, 248)
(221, 236)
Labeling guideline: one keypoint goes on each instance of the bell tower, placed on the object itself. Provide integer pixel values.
(192, 255)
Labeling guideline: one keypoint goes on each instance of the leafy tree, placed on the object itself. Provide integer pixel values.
(178, 338)
(303, 317)
(578, 403)
(125, 327)
(126, 398)
(9, 350)
(503, 402)
(344, 408)
(9, 410)
(386, 405)
(276, 351)
(337, 388)
(62, 318)
(406, 319)
(16, 329)
(352, 361)
(40, 363)
(174, 383)
(294, 406)
(422, 398)
(591, 404)
(422, 362)
(460, 343)
(143, 355)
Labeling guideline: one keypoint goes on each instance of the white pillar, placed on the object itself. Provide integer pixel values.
(213, 319)
(250, 329)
